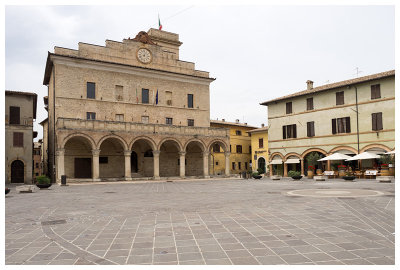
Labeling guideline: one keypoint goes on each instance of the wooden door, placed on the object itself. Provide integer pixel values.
(17, 172)
(83, 168)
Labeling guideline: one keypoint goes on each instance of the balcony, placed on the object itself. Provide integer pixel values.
(113, 126)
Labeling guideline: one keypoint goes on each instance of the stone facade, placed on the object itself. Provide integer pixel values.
(336, 127)
(127, 110)
(20, 111)
(239, 146)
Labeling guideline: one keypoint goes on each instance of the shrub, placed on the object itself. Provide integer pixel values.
(255, 174)
(43, 179)
(386, 159)
(294, 173)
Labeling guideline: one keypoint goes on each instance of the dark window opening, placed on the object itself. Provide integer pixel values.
(103, 160)
(375, 91)
(260, 143)
(341, 125)
(310, 129)
(190, 122)
(91, 90)
(377, 121)
(18, 139)
(289, 131)
(14, 115)
(288, 107)
(233, 165)
(145, 96)
(91, 116)
(190, 100)
(238, 149)
(310, 104)
(339, 98)
(239, 132)
(168, 121)
(216, 148)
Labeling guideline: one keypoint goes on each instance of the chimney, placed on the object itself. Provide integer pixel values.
(223, 120)
(262, 125)
(237, 121)
(309, 85)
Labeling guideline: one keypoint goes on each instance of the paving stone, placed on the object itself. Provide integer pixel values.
(223, 261)
(284, 250)
(272, 259)
(319, 257)
(294, 258)
(192, 262)
(187, 249)
(139, 259)
(350, 246)
(213, 255)
(190, 256)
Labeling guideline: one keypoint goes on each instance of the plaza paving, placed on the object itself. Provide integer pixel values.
(203, 222)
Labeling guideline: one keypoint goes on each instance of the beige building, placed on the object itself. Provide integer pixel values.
(239, 147)
(20, 112)
(129, 109)
(324, 119)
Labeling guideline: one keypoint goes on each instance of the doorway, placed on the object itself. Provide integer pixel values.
(17, 171)
(83, 168)
(134, 162)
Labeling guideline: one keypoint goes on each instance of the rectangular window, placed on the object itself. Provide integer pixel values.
(103, 160)
(119, 117)
(91, 116)
(145, 119)
(14, 115)
(310, 104)
(289, 131)
(233, 165)
(168, 120)
(190, 122)
(119, 92)
(238, 132)
(216, 163)
(230, 148)
(37, 165)
(168, 98)
(261, 143)
(310, 129)
(239, 165)
(341, 125)
(377, 121)
(91, 90)
(190, 100)
(216, 148)
(18, 139)
(339, 98)
(375, 91)
(288, 107)
(145, 96)
(238, 149)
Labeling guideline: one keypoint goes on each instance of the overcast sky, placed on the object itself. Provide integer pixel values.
(256, 53)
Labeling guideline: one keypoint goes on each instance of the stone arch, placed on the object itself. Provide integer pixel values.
(170, 139)
(313, 150)
(119, 138)
(220, 143)
(292, 154)
(90, 139)
(377, 145)
(149, 140)
(9, 167)
(271, 157)
(203, 146)
(349, 148)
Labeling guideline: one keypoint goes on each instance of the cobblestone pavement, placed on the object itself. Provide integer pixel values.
(202, 222)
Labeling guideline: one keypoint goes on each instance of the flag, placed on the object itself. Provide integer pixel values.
(137, 98)
(159, 23)
(157, 98)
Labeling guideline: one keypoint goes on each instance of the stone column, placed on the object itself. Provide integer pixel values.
(182, 156)
(60, 164)
(156, 161)
(284, 169)
(206, 155)
(271, 173)
(227, 171)
(95, 165)
(127, 154)
(302, 166)
(329, 165)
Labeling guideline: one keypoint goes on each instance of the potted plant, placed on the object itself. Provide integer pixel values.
(342, 170)
(43, 182)
(295, 175)
(312, 160)
(385, 161)
(310, 172)
(256, 175)
(349, 176)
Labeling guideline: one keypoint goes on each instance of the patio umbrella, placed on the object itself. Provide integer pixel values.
(336, 156)
(390, 153)
(365, 155)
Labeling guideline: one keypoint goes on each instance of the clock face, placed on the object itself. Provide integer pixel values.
(144, 55)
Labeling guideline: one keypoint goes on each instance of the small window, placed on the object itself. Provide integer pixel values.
(261, 143)
(145, 96)
(310, 104)
(145, 119)
(288, 107)
(238, 132)
(230, 148)
(375, 91)
(18, 139)
(341, 125)
(91, 90)
(289, 131)
(310, 129)
(233, 165)
(377, 121)
(190, 122)
(216, 148)
(339, 98)
(119, 117)
(91, 116)
(168, 120)
(103, 160)
(14, 115)
(119, 92)
(190, 100)
(216, 163)
(238, 149)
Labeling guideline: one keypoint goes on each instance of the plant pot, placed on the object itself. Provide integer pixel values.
(7, 191)
(391, 170)
(257, 176)
(385, 171)
(349, 178)
(342, 173)
(43, 186)
(310, 174)
(297, 177)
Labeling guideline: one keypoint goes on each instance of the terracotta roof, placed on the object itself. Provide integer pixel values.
(334, 85)
(258, 130)
(220, 122)
(9, 92)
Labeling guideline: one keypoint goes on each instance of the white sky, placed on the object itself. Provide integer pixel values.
(256, 53)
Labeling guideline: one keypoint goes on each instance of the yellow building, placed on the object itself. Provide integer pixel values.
(240, 148)
(259, 147)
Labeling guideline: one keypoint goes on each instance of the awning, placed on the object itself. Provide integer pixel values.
(336, 156)
(364, 155)
(276, 161)
(292, 161)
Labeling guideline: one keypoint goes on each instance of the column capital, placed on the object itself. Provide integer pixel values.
(206, 153)
(182, 153)
(60, 151)
(127, 152)
(156, 152)
(227, 154)
(95, 152)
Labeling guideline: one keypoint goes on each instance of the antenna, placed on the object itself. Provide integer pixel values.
(358, 71)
